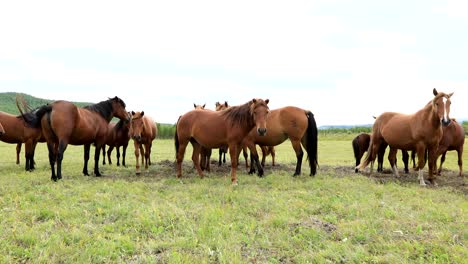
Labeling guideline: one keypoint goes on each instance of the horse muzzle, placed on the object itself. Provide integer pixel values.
(262, 131)
(446, 122)
(137, 138)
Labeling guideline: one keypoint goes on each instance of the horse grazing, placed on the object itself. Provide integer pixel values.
(64, 123)
(143, 131)
(117, 136)
(213, 129)
(17, 132)
(361, 144)
(453, 139)
(419, 131)
(287, 122)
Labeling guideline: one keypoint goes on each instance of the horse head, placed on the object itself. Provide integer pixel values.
(441, 106)
(199, 106)
(220, 106)
(118, 108)
(259, 110)
(137, 125)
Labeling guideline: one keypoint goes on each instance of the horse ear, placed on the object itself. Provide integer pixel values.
(434, 91)
(142, 113)
(194, 106)
(217, 104)
(204, 106)
(133, 113)
(450, 95)
(254, 100)
(267, 101)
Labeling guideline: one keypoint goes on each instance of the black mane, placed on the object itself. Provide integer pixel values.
(104, 108)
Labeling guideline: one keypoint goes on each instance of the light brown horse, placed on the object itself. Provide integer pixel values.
(213, 129)
(420, 131)
(117, 136)
(17, 132)
(453, 139)
(143, 131)
(287, 122)
(64, 123)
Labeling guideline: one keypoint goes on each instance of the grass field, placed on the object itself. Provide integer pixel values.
(335, 217)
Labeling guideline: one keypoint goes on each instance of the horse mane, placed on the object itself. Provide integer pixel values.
(104, 108)
(119, 124)
(240, 115)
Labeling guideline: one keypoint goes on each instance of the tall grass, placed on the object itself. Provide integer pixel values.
(333, 217)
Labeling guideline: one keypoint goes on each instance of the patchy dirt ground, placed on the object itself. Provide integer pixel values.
(448, 178)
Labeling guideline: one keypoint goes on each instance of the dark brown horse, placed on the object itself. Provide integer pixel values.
(64, 123)
(143, 131)
(287, 122)
(420, 131)
(361, 144)
(213, 129)
(17, 132)
(117, 136)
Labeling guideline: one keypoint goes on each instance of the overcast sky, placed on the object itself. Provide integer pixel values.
(343, 60)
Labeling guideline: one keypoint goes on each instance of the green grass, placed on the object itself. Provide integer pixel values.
(337, 216)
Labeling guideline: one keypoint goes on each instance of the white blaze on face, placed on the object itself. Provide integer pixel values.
(444, 100)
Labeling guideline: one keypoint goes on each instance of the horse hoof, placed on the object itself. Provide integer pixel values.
(137, 173)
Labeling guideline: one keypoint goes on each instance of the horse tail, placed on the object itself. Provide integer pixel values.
(33, 117)
(311, 145)
(356, 149)
(176, 138)
(369, 154)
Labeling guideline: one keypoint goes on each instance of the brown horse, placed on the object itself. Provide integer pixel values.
(361, 144)
(143, 131)
(420, 131)
(117, 136)
(453, 139)
(287, 122)
(17, 132)
(213, 129)
(64, 123)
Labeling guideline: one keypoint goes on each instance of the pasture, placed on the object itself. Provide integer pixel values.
(337, 216)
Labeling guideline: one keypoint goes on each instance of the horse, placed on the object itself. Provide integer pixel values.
(453, 139)
(143, 131)
(267, 150)
(117, 136)
(17, 132)
(360, 145)
(287, 122)
(213, 129)
(419, 131)
(64, 123)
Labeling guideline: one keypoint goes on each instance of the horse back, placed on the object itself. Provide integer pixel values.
(208, 128)
(16, 129)
(152, 132)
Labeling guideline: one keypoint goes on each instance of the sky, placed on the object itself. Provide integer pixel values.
(346, 61)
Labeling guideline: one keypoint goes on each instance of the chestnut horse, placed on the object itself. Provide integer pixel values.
(420, 131)
(453, 139)
(64, 123)
(117, 136)
(143, 131)
(360, 145)
(213, 129)
(287, 122)
(17, 132)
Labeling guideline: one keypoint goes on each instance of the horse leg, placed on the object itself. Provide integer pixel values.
(87, 148)
(196, 157)
(405, 160)
(442, 160)
(104, 154)
(234, 152)
(109, 155)
(460, 161)
(296, 144)
(392, 159)
(32, 164)
(421, 162)
(254, 160)
(264, 154)
(207, 159)
(432, 159)
(61, 149)
(147, 155)
(137, 157)
(220, 155)
(27, 155)
(273, 154)
(124, 152)
(52, 159)
(246, 156)
(180, 147)
(97, 153)
(380, 156)
(18, 151)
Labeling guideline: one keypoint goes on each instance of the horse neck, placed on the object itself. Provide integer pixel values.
(431, 115)
(103, 108)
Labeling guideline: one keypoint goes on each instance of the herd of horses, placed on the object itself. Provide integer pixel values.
(428, 133)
